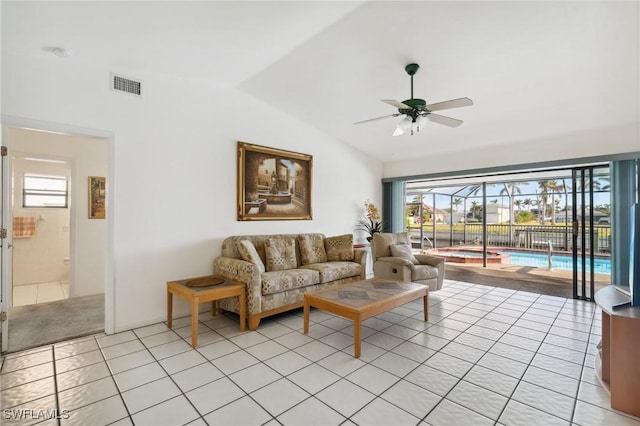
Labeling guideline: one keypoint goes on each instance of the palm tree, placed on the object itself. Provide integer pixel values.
(527, 203)
(456, 202)
(555, 188)
(475, 208)
(511, 188)
(518, 204)
(547, 187)
(413, 209)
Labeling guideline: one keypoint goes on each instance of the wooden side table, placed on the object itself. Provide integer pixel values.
(618, 363)
(197, 295)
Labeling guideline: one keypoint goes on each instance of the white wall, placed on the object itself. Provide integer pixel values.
(89, 158)
(600, 142)
(174, 182)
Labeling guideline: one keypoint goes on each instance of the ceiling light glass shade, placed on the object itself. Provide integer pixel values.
(421, 120)
(405, 123)
(398, 132)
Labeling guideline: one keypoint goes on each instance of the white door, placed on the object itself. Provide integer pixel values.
(4, 244)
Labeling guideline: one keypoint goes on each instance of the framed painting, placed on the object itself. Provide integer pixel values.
(273, 184)
(97, 197)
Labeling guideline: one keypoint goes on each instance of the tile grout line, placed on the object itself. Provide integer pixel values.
(521, 379)
(55, 385)
(474, 363)
(586, 353)
(561, 312)
(113, 379)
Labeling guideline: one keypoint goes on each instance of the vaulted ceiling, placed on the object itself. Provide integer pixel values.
(533, 69)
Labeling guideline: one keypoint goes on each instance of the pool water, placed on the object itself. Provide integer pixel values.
(564, 263)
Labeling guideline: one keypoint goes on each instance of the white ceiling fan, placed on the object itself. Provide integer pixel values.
(416, 112)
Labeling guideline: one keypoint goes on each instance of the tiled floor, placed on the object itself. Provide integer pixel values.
(31, 294)
(486, 356)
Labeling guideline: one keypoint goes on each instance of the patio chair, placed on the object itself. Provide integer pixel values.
(393, 259)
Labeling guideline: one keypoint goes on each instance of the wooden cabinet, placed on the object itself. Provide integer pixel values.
(618, 363)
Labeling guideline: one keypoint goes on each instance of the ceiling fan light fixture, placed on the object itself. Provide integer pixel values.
(416, 112)
(405, 123)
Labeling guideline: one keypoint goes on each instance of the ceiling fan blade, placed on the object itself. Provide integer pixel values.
(377, 118)
(396, 104)
(447, 121)
(453, 103)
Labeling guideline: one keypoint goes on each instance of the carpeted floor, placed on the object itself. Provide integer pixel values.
(524, 278)
(36, 325)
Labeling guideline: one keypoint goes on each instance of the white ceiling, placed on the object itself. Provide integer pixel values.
(533, 69)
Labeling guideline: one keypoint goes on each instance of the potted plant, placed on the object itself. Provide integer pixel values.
(372, 222)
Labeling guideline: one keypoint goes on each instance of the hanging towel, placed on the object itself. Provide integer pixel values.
(24, 227)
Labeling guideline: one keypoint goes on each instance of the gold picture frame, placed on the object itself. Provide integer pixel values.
(97, 197)
(273, 184)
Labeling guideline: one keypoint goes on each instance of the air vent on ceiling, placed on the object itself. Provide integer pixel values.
(126, 85)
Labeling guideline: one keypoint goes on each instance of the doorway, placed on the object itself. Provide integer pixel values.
(41, 221)
(54, 273)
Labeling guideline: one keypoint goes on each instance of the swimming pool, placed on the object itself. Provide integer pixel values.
(561, 262)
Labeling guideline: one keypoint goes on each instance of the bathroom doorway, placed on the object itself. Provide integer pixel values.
(57, 254)
(41, 206)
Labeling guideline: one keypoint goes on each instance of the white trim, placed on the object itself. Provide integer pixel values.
(69, 129)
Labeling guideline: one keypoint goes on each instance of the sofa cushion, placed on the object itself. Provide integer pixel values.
(278, 281)
(249, 253)
(280, 254)
(382, 241)
(339, 248)
(312, 248)
(330, 271)
(403, 251)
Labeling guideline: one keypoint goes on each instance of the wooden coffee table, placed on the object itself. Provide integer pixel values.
(364, 299)
(197, 295)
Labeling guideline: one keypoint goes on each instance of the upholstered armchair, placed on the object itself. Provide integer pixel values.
(393, 259)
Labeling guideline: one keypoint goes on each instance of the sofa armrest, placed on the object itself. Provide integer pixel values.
(360, 256)
(244, 272)
(436, 262)
(396, 260)
(426, 259)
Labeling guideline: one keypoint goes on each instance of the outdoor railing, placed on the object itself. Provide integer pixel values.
(516, 236)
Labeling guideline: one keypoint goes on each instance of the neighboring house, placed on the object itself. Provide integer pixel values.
(438, 215)
(497, 213)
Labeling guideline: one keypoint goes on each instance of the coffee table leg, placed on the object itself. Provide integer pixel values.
(357, 326)
(306, 317)
(214, 309)
(425, 300)
(194, 322)
(169, 309)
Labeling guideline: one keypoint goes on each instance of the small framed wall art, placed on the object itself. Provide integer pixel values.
(97, 197)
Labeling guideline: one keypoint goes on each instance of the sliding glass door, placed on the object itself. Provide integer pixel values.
(591, 231)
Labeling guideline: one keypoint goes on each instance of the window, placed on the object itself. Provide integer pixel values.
(45, 191)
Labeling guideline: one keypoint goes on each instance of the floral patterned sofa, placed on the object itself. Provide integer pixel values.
(279, 269)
